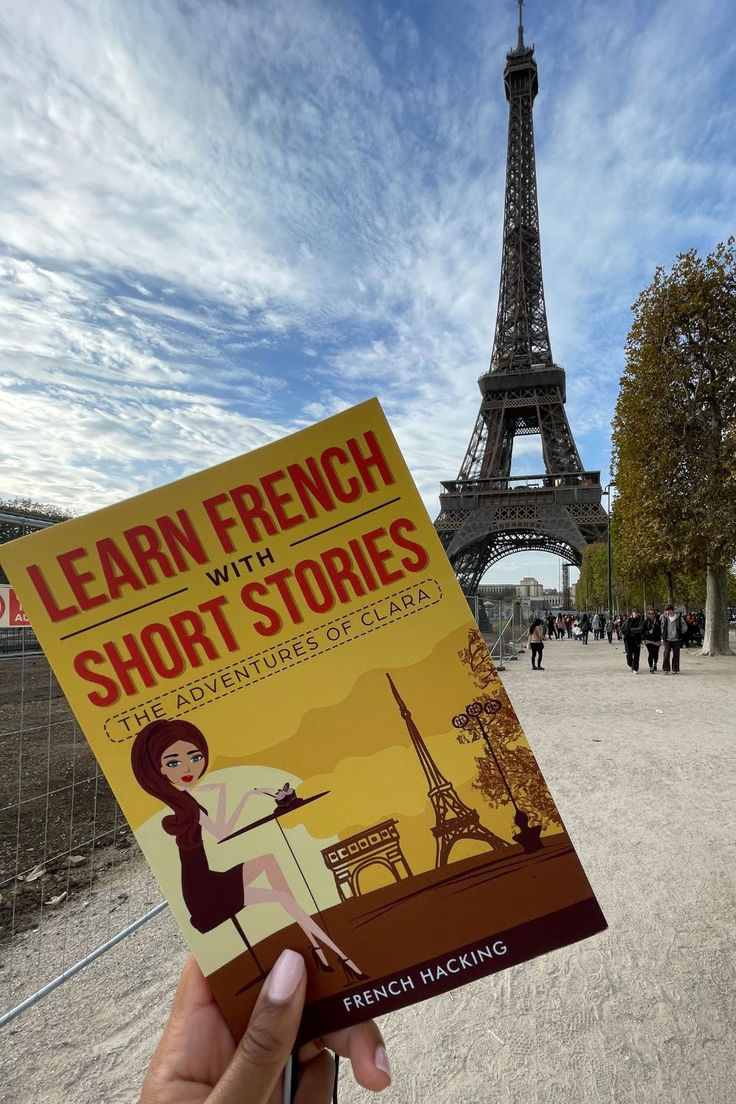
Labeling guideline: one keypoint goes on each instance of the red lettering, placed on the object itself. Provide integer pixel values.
(310, 486)
(116, 569)
(82, 664)
(55, 612)
(145, 545)
(153, 637)
(220, 524)
(343, 493)
(134, 661)
(420, 557)
(78, 581)
(378, 556)
(363, 566)
(273, 622)
(214, 607)
(185, 538)
(278, 501)
(339, 566)
(252, 511)
(317, 604)
(374, 459)
(189, 629)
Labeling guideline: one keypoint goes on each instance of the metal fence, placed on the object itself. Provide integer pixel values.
(71, 876)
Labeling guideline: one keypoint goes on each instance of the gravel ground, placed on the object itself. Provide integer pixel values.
(642, 768)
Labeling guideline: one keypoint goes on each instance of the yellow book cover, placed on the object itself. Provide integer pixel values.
(280, 677)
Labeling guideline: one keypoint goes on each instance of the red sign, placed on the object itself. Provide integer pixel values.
(11, 611)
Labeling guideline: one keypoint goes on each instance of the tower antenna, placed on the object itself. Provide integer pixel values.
(520, 43)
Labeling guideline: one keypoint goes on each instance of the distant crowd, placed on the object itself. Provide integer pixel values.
(668, 631)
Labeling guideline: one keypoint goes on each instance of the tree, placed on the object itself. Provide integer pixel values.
(591, 591)
(25, 507)
(674, 431)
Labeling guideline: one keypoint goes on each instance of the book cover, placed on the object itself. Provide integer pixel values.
(280, 677)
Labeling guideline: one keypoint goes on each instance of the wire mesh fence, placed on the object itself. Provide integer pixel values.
(71, 874)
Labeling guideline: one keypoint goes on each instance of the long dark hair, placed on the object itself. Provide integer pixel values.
(145, 756)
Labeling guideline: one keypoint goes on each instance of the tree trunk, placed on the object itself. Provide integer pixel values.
(715, 640)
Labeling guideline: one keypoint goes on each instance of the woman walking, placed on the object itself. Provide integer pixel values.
(536, 644)
(652, 638)
(632, 631)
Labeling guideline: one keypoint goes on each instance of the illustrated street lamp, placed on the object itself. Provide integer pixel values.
(526, 836)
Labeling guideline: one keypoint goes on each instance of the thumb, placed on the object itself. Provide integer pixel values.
(264, 1050)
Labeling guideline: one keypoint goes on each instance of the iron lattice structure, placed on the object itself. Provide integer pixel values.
(454, 820)
(485, 514)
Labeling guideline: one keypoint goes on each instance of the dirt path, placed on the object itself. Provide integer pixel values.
(642, 768)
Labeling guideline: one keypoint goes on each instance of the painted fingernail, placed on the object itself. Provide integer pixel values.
(285, 976)
(382, 1062)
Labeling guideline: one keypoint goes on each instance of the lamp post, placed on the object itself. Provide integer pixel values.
(607, 491)
(526, 836)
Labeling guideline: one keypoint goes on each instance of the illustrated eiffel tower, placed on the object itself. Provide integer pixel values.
(454, 820)
(485, 514)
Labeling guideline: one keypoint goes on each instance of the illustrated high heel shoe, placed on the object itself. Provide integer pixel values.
(320, 959)
(351, 971)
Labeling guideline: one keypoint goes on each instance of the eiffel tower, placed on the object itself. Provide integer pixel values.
(485, 514)
(454, 820)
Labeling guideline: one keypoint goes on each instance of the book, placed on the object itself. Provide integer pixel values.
(281, 679)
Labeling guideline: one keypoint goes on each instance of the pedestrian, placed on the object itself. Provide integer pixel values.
(674, 631)
(632, 631)
(595, 625)
(585, 627)
(652, 638)
(536, 644)
(560, 626)
(551, 627)
(609, 629)
(617, 626)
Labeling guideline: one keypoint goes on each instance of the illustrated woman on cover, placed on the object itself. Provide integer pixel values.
(169, 757)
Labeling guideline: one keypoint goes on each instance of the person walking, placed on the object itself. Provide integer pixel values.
(568, 625)
(560, 626)
(652, 638)
(536, 644)
(609, 630)
(585, 627)
(632, 631)
(674, 631)
(595, 624)
(551, 627)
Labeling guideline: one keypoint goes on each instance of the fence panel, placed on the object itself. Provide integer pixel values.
(71, 873)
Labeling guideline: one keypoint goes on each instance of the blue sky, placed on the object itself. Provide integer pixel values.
(224, 219)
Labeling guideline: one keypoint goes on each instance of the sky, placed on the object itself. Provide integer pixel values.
(222, 220)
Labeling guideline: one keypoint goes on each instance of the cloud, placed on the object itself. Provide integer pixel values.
(223, 220)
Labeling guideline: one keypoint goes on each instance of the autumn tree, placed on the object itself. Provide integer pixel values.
(475, 655)
(591, 591)
(674, 431)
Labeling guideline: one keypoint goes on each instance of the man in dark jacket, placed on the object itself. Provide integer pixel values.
(674, 631)
(632, 631)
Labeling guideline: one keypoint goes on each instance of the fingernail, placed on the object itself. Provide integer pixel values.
(285, 976)
(381, 1060)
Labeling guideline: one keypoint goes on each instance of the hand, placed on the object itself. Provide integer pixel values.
(197, 1061)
